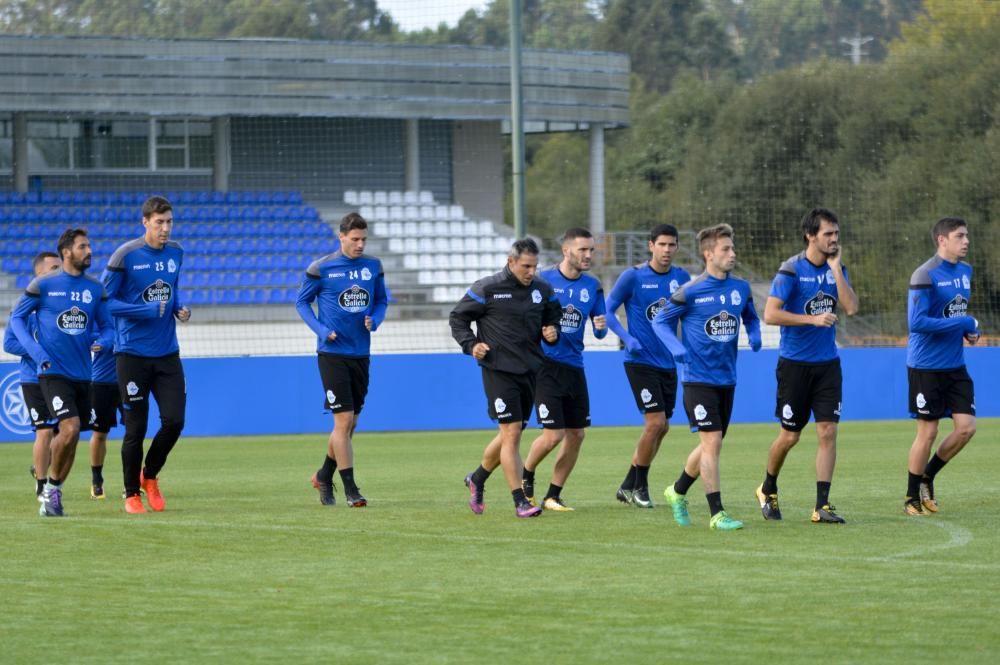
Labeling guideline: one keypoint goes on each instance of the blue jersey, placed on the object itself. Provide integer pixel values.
(644, 292)
(581, 299)
(346, 290)
(104, 370)
(72, 314)
(710, 310)
(27, 370)
(807, 289)
(938, 314)
(138, 278)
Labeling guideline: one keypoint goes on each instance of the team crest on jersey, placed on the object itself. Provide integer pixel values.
(93, 416)
(654, 308)
(723, 327)
(34, 414)
(354, 299)
(921, 401)
(57, 403)
(821, 303)
(700, 413)
(584, 295)
(499, 405)
(171, 266)
(73, 321)
(132, 389)
(87, 296)
(330, 397)
(158, 291)
(536, 296)
(366, 274)
(543, 411)
(786, 412)
(735, 298)
(571, 319)
(674, 285)
(957, 306)
(646, 396)
(965, 282)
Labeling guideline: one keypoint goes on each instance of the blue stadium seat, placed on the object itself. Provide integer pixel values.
(196, 278)
(229, 277)
(265, 214)
(15, 216)
(217, 214)
(245, 296)
(31, 214)
(198, 262)
(31, 198)
(78, 199)
(105, 247)
(185, 198)
(95, 199)
(279, 198)
(77, 216)
(22, 281)
(24, 263)
(278, 244)
(129, 229)
(8, 264)
(48, 198)
(264, 198)
(64, 198)
(216, 246)
(199, 297)
(185, 214)
(265, 262)
(93, 215)
(203, 198)
(229, 297)
(218, 198)
(295, 198)
(247, 278)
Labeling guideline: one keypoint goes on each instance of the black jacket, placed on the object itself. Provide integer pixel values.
(509, 318)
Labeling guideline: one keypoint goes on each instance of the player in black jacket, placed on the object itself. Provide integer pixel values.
(513, 312)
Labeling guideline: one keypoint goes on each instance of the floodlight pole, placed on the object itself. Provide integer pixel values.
(517, 120)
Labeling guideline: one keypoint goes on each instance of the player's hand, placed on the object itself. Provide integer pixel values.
(163, 307)
(633, 345)
(824, 320)
(332, 336)
(972, 338)
(550, 334)
(480, 350)
(833, 261)
(755, 343)
(183, 314)
(369, 323)
(600, 322)
(44, 365)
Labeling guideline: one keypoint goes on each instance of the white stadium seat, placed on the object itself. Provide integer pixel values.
(410, 229)
(411, 212)
(427, 212)
(396, 213)
(456, 244)
(456, 212)
(395, 198)
(411, 261)
(426, 197)
(411, 198)
(381, 213)
(365, 197)
(441, 228)
(380, 198)
(367, 212)
(351, 197)
(425, 261)
(425, 245)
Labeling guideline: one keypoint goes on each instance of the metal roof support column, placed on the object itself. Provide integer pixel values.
(517, 121)
(597, 178)
(221, 163)
(20, 152)
(412, 155)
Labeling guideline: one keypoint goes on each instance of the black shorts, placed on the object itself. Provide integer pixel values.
(654, 389)
(67, 398)
(37, 407)
(708, 408)
(138, 376)
(561, 397)
(510, 396)
(935, 395)
(345, 381)
(105, 402)
(805, 387)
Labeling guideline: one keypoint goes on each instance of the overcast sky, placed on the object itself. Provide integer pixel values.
(417, 14)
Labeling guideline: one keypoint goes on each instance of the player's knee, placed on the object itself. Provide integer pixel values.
(70, 429)
(966, 431)
(172, 425)
(657, 426)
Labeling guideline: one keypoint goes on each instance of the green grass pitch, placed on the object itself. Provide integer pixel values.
(246, 566)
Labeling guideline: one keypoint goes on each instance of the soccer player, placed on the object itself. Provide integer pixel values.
(142, 283)
(803, 301)
(513, 311)
(644, 290)
(71, 311)
(562, 402)
(105, 403)
(42, 421)
(349, 287)
(710, 308)
(940, 386)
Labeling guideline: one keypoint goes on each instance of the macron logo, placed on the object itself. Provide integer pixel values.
(498, 296)
(142, 266)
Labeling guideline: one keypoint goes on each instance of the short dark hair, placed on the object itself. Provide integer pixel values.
(662, 230)
(155, 205)
(67, 239)
(813, 219)
(41, 256)
(523, 246)
(352, 221)
(576, 232)
(945, 225)
(708, 237)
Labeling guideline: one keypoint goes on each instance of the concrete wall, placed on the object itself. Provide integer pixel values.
(477, 158)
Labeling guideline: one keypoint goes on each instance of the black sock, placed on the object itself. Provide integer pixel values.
(629, 482)
(935, 465)
(912, 485)
(347, 477)
(641, 477)
(95, 475)
(684, 483)
(714, 502)
(480, 475)
(325, 473)
(39, 486)
(519, 497)
(54, 482)
(553, 492)
(822, 494)
(770, 484)
(528, 476)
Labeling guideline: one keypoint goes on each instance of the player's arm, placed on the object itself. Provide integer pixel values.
(665, 325)
(105, 328)
(752, 323)
(303, 303)
(181, 311)
(782, 288)
(621, 292)
(920, 320)
(11, 344)
(846, 297)
(114, 282)
(551, 318)
(28, 303)
(470, 308)
(380, 302)
(599, 316)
